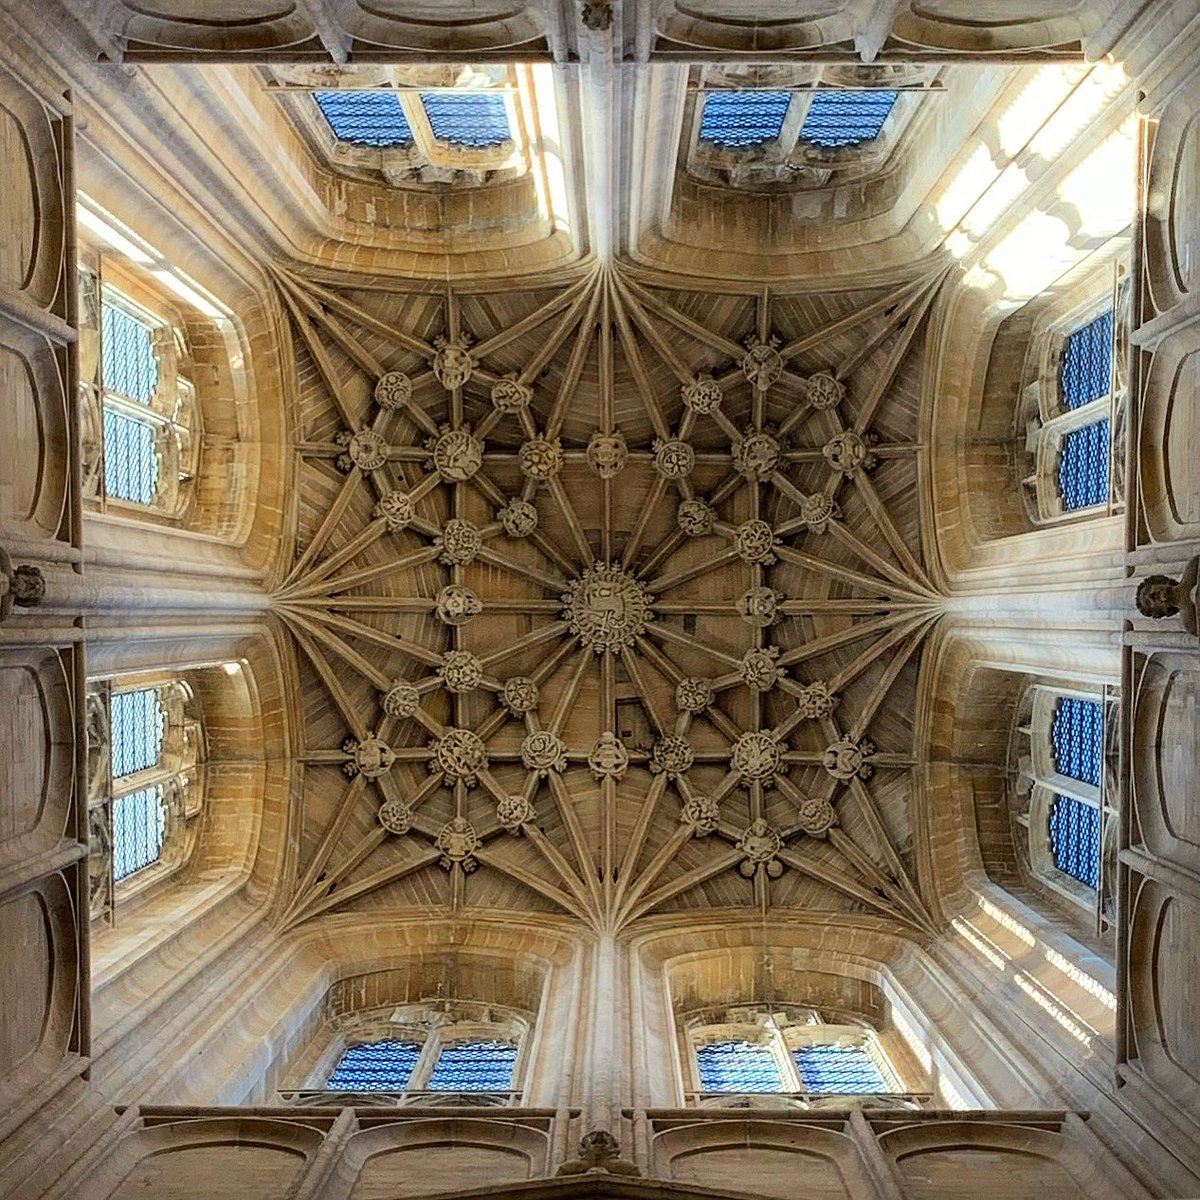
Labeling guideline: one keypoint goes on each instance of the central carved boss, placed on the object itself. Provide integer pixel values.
(607, 607)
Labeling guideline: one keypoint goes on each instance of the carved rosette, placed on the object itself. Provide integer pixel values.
(365, 449)
(455, 454)
(514, 811)
(509, 396)
(452, 364)
(760, 844)
(757, 455)
(702, 813)
(762, 363)
(394, 390)
(848, 452)
(608, 758)
(401, 700)
(755, 542)
(816, 701)
(544, 752)
(759, 606)
(847, 758)
(703, 395)
(396, 817)
(817, 510)
(824, 391)
(458, 756)
(541, 458)
(458, 542)
(519, 518)
(673, 458)
(757, 757)
(607, 453)
(456, 604)
(396, 508)
(607, 608)
(672, 756)
(695, 518)
(460, 671)
(457, 841)
(760, 670)
(815, 816)
(693, 694)
(520, 695)
(369, 758)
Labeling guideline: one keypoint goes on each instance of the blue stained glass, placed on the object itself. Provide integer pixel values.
(1083, 466)
(1075, 839)
(383, 1066)
(740, 119)
(365, 118)
(1087, 363)
(137, 731)
(127, 359)
(1077, 738)
(474, 1067)
(846, 1070)
(130, 460)
(139, 826)
(474, 119)
(737, 1067)
(838, 119)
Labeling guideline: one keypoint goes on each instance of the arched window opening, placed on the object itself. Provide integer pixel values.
(1073, 411)
(365, 118)
(794, 1057)
(477, 120)
(145, 785)
(738, 119)
(474, 1066)
(1065, 746)
(837, 119)
(383, 1066)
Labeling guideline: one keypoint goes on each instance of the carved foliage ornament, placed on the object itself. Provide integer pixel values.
(755, 542)
(824, 391)
(757, 757)
(541, 458)
(702, 395)
(544, 752)
(759, 669)
(396, 817)
(514, 811)
(693, 694)
(702, 813)
(757, 455)
(673, 458)
(396, 508)
(460, 671)
(817, 510)
(672, 756)
(458, 542)
(459, 755)
(520, 695)
(510, 396)
(519, 518)
(816, 701)
(401, 700)
(695, 518)
(365, 449)
(815, 815)
(394, 390)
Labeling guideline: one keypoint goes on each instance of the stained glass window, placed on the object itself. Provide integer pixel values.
(1087, 363)
(474, 1067)
(474, 119)
(1077, 737)
(139, 826)
(1075, 839)
(738, 1067)
(384, 1066)
(137, 731)
(127, 360)
(1083, 466)
(365, 118)
(836, 119)
(740, 119)
(838, 1069)
(130, 458)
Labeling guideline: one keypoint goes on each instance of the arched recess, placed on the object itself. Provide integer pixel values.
(230, 862)
(865, 968)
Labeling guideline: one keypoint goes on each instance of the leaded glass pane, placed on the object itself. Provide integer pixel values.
(1077, 737)
(365, 118)
(474, 119)
(474, 1067)
(743, 118)
(137, 731)
(139, 826)
(1087, 363)
(737, 1067)
(1075, 839)
(130, 458)
(839, 1069)
(127, 360)
(383, 1066)
(836, 119)
(1083, 466)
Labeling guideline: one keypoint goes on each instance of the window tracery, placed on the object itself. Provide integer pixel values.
(145, 785)
(1073, 411)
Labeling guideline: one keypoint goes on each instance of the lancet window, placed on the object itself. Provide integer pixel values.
(145, 747)
(1072, 413)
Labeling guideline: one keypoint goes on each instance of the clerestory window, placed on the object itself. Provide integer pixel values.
(365, 118)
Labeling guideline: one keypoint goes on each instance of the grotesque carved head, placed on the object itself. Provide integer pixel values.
(1156, 596)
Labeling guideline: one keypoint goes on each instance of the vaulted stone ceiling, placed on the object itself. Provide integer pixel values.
(609, 597)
